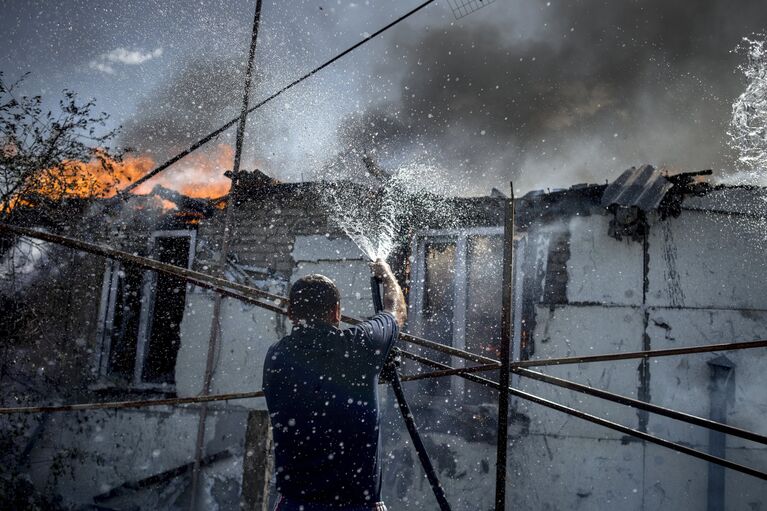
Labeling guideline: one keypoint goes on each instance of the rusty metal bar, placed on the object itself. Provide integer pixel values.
(708, 348)
(113, 405)
(197, 278)
(503, 377)
(601, 422)
(669, 352)
(444, 368)
(642, 405)
(116, 405)
(437, 346)
(215, 324)
(458, 371)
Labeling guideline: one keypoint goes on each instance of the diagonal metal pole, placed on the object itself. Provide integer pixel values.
(709, 424)
(506, 324)
(215, 325)
(599, 421)
(276, 303)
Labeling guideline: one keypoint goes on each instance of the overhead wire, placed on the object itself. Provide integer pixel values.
(215, 133)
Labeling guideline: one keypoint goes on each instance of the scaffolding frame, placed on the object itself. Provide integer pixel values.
(277, 304)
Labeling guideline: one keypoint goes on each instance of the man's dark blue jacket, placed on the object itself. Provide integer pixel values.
(321, 386)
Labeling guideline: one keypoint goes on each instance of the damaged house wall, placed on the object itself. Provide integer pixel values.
(93, 318)
(692, 277)
(682, 277)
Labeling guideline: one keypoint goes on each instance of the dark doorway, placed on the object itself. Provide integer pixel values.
(167, 311)
(125, 322)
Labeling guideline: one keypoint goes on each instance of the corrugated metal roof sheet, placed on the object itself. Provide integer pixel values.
(643, 187)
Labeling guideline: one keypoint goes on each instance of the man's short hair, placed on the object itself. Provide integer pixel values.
(313, 298)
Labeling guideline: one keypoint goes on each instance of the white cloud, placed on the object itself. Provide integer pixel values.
(104, 63)
(131, 57)
(100, 66)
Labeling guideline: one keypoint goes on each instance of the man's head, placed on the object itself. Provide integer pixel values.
(314, 299)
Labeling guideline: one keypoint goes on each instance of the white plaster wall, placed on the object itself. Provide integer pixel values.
(564, 471)
(584, 330)
(682, 383)
(104, 449)
(706, 260)
(246, 334)
(674, 481)
(706, 284)
(340, 260)
(602, 269)
(737, 200)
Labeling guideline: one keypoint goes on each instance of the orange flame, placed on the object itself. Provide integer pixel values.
(200, 175)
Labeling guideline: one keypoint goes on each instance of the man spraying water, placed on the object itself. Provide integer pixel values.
(321, 386)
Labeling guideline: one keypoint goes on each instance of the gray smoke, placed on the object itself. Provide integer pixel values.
(198, 99)
(570, 91)
(545, 93)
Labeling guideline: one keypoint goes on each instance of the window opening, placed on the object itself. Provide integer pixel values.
(438, 303)
(456, 298)
(164, 324)
(142, 312)
(125, 323)
(484, 275)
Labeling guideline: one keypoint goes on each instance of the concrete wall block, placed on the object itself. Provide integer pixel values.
(113, 447)
(586, 330)
(315, 248)
(352, 279)
(602, 269)
(247, 332)
(682, 383)
(706, 260)
(673, 480)
(743, 491)
(563, 472)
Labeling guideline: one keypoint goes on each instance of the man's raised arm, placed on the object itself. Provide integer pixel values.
(393, 299)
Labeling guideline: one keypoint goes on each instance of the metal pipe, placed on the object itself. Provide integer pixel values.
(114, 405)
(503, 377)
(669, 352)
(420, 448)
(642, 405)
(215, 324)
(457, 371)
(604, 422)
(444, 367)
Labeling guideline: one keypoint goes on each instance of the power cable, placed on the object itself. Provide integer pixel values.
(292, 84)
